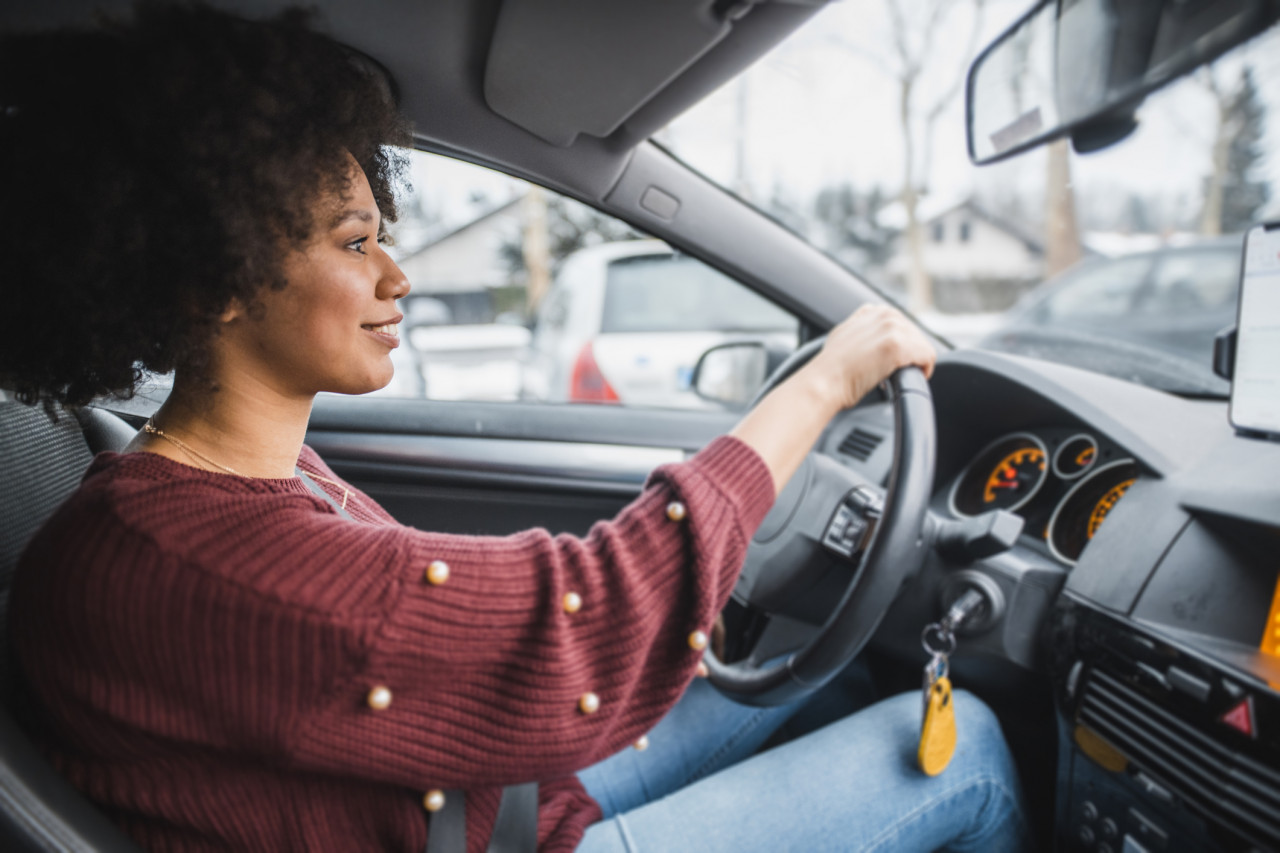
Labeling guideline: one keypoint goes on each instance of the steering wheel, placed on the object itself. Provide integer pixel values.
(829, 520)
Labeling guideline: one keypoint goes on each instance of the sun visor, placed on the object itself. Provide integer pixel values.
(560, 69)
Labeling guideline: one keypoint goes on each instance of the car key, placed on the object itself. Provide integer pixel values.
(938, 720)
(938, 725)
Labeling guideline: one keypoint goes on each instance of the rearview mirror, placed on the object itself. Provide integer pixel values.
(1081, 68)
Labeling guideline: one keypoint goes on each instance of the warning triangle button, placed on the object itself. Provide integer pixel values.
(1240, 717)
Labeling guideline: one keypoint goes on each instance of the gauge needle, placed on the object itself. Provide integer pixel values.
(1004, 484)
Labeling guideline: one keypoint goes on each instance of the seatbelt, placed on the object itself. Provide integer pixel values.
(448, 827)
(315, 487)
(515, 830)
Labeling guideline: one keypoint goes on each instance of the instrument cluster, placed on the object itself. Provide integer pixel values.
(1063, 482)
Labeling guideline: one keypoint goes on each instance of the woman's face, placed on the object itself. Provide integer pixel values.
(332, 328)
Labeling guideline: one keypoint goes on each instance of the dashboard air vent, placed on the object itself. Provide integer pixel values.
(860, 444)
(1224, 785)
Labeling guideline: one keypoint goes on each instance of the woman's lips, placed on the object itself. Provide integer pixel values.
(388, 334)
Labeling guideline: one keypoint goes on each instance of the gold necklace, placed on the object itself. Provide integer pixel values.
(151, 429)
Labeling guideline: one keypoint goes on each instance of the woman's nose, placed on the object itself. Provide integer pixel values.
(393, 284)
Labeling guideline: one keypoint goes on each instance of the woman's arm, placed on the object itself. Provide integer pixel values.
(859, 353)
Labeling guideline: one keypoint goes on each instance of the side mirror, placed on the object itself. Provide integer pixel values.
(730, 374)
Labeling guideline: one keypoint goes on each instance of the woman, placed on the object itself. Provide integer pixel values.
(234, 649)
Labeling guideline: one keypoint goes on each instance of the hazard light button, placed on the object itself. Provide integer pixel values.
(1240, 717)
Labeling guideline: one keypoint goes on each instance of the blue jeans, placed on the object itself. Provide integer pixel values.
(851, 786)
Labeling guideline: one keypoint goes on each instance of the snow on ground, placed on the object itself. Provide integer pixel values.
(961, 329)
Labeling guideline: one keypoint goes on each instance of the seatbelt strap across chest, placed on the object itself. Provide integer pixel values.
(315, 487)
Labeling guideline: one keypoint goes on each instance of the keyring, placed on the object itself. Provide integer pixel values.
(945, 647)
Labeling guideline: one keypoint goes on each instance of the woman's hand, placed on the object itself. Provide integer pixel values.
(858, 354)
(863, 350)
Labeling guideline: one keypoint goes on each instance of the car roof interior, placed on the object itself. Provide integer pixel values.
(590, 80)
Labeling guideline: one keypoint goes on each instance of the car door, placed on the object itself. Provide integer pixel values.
(460, 450)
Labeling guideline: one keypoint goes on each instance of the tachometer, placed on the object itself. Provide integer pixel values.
(1005, 475)
(1081, 513)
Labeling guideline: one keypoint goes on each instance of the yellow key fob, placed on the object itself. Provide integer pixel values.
(938, 734)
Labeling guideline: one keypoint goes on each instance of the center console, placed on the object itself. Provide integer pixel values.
(1169, 713)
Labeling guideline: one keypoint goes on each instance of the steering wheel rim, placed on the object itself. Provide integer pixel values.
(895, 554)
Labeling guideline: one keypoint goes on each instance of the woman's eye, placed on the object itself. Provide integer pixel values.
(358, 245)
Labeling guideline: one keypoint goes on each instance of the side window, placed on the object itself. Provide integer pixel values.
(521, 294)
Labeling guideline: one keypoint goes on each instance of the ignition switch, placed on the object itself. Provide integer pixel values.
(973, 600)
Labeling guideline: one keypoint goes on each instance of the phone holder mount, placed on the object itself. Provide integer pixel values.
(1224, 365)
(1224, 352)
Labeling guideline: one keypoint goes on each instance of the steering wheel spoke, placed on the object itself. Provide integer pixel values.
(832, 538)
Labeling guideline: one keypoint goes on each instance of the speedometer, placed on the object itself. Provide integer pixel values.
(1081, 513)
(1005, 475)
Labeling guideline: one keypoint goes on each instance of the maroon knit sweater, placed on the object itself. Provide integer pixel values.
(201, 648)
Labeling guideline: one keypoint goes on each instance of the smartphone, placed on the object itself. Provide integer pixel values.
(1255, 385)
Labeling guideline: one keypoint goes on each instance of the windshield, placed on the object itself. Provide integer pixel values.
(1124, 261)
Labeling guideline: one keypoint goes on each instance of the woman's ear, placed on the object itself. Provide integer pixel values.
(234, 311)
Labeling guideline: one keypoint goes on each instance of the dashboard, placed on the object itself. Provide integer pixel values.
(1144, 586)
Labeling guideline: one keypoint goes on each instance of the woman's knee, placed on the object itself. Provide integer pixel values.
(979, 738)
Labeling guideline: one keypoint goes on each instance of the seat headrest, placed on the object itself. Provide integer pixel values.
(103, 430)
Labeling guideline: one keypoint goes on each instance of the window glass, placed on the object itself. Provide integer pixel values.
(1104, 289)
(887, 186)
(676, 293)
(518, 293)
(1190, 282)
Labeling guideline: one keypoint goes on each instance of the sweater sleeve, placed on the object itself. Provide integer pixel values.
(538, 654)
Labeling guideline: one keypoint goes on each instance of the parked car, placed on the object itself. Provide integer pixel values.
(625, 322)
(1174, 299)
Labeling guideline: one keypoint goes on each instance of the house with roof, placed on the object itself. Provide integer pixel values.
(976, 260)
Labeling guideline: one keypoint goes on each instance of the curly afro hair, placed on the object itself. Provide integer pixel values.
(158, 168)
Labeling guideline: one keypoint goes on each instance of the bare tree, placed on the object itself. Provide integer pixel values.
(1235, 153)
(1062, 234)
(535, 248)
(915, 26)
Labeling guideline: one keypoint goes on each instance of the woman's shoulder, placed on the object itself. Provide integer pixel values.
(171, 520)
(147, 502)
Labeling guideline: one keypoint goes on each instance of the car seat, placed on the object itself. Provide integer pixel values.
(42, 460)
